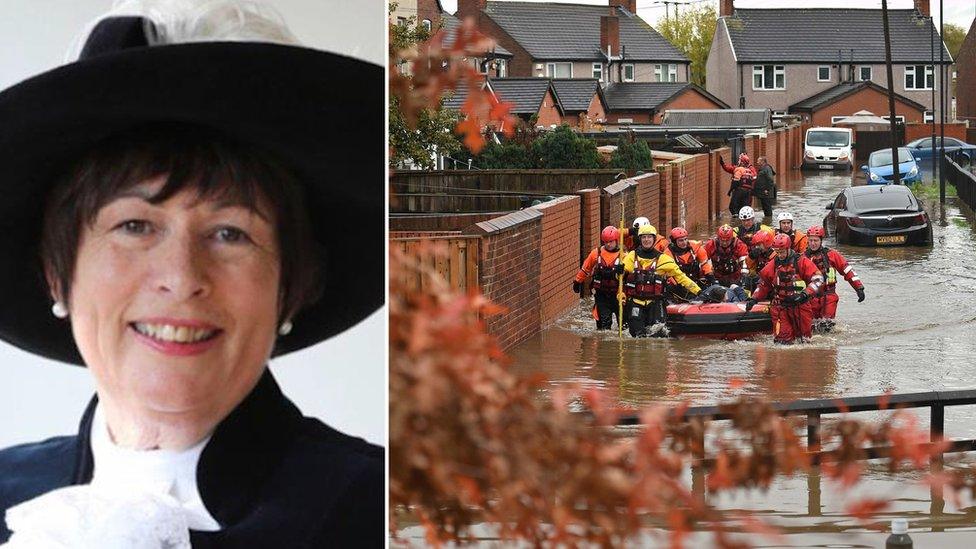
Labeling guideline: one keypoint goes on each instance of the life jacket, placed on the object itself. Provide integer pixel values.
(746, 235)
(687, 261)
(604, 276)
(786, 277)
(760, 258)
(747, 181)
(821, 258)
(725, 263)
(644, 283)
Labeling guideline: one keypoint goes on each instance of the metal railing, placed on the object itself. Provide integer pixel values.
(936, 401)
(814, 410)
(958, 171)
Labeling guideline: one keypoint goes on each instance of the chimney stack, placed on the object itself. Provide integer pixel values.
(726, 7)
(470, 8)
(610, 34)
(923, 8)
(629, 5)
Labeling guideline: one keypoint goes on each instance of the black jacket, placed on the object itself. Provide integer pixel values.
(764, 182)
(269, 476)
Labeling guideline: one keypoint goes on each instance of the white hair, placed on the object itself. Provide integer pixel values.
(183, 21)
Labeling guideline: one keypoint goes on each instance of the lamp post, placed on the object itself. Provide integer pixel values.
(896, 176)
(932, 48)
(942, 113)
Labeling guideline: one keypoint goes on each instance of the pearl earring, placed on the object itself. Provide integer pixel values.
(285, 328)
(59, 309)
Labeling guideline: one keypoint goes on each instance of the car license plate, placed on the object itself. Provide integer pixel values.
(825, 166)
(893, 239)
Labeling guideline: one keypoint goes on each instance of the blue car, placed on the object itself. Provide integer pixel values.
(962, 153)
(878, 169)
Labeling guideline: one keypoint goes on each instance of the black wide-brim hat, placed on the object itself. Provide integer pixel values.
(320, 114)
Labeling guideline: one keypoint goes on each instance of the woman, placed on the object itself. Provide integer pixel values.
(174, 214)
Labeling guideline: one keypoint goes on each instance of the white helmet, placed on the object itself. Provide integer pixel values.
(784, 216)
(642, 221)
(747, 213)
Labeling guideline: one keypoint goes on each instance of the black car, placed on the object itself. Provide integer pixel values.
(878, 215)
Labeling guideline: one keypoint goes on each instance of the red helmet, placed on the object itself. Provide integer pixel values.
(817, 230)
(762, 237)
(610, 234)
(678, 233)
(725, 232)
(744, 158)
(781, 242)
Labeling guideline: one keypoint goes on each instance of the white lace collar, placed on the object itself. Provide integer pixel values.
(164, 472)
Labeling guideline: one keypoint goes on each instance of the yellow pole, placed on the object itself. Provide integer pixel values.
(620, 277)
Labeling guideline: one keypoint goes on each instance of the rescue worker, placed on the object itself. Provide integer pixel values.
(798, 240)
(790, 279)
(829, 262)
(644, 284)
(759, 254)
(602, 266)
(743, 180)
(765, 186)
(748, 226)
(728, 255)
(691, 258)
(630, 239)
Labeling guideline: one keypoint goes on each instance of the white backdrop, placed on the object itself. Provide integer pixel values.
(341, 381)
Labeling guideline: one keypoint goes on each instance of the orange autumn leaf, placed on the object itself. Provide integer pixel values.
(865, 509)
(736, 383)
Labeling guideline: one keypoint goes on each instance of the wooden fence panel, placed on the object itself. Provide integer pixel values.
(459, 267)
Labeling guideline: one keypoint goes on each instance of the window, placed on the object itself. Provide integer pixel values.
(426, 24)
(598, 71)
(559, 70)
(625, 121)
(481, 65)
(864, 73)
(914, 79)
(823, 74)
(665, 73)
(501, 68)
(628, 73)
(402, 21)
(928, 117)
(834, 119)
(768, 77)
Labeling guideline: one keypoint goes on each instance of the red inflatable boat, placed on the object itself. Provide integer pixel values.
(719, 320)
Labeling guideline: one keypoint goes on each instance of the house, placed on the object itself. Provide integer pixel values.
(494, 64)
(775, 58)
(530, 98)
(557, 40)
(843, 100)
(966, 77)
(403, 11)
(583, 101)
(645, 102)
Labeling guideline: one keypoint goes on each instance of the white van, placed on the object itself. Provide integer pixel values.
(828, 149)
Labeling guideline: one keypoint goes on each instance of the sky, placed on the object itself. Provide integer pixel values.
(341, 381)
(960, 12)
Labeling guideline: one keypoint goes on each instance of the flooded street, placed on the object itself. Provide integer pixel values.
(915, 332)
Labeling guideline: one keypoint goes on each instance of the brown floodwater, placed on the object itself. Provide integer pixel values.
(914, 332)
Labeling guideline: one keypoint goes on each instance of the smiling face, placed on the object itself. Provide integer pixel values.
(174, 305)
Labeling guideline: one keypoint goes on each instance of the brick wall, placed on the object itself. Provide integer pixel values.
(590, 226)
(648, 196)
(610, 200)
(915, 131)
(510, 268)
(690, 185)
(721, 182)
(548, 114)
(560, 257)
(664, 196)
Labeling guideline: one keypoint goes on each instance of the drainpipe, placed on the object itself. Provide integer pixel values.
(742, 92)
